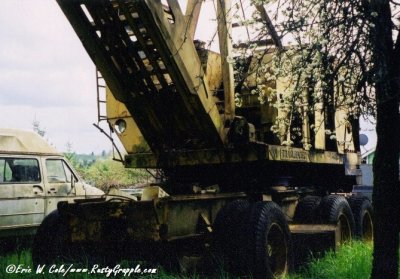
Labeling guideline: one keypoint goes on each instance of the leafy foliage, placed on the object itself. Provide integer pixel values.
(103, 172)
(325, 63)
(106, 172)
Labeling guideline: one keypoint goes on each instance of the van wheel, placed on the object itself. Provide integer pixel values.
(363, 217)
(229, 235)
(336, 210)
(306, 210)
(50, 244)
(270, 250)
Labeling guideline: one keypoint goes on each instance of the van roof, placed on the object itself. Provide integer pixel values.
(24, 142)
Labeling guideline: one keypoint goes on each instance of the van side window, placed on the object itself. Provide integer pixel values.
(16, 170)
(58, 171)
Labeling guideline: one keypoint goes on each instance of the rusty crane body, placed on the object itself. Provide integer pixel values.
(171, 102)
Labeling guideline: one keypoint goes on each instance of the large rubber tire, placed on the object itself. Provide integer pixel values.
(306, 210)
(335, 209)
(363, 217)
(269, 245)
(50, 244)
(229, 230)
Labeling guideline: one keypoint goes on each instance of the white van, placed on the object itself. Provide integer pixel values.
(34, 177)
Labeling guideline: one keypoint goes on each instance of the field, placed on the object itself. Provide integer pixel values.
(353, 261)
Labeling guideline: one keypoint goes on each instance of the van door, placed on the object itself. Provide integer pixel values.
(59, 186)
(21, 196)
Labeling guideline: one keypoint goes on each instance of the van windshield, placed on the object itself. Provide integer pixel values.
(18, 170)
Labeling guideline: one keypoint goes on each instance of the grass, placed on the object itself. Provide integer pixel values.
(352, 261)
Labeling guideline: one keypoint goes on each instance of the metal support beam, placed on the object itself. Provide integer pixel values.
(270, 27)
(192, 17)
(224, 11)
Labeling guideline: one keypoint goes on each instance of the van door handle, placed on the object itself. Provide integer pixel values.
(37, 189)
(52, 191)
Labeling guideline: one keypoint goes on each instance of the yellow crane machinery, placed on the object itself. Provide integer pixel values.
(229, 185)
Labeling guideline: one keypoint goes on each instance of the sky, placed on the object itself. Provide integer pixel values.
(46, 75)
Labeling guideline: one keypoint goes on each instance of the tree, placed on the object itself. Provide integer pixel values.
(386, 195)
(343, 55)
(70, 154)
(37, 128)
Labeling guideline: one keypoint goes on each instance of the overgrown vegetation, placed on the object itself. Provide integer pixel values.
(352, 261)
(102, 171)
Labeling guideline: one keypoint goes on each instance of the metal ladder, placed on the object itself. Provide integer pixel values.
(101, 97)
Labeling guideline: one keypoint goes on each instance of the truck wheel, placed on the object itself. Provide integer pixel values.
(270, 251)
(306, 210)
(229, 234)
(336, 210)
(363, 214)
(50, 242)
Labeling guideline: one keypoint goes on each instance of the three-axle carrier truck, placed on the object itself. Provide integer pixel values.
(229, 184)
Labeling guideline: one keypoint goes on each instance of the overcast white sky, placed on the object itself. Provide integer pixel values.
(45, 74)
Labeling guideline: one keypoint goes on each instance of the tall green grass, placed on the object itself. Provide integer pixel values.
(352, 261)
